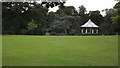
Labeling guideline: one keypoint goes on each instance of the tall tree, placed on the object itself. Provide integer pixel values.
(82, 13)
(82, 10)
(106, 26)
(50, 3)
(97, 18)
(67, 10)
(116, 17)
(16, 16)
(66, 21)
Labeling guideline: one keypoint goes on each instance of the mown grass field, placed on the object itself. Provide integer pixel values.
(23, 50)
(0, 50)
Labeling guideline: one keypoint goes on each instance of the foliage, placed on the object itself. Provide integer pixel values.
(48, 4)
(82, 10)
(67, 10)
(107, 26)
(96, 17)
(16, 16)
(116, 17)
(65, 21)
(82, 13)
(60, 26)
(47, 33)
(32, 25)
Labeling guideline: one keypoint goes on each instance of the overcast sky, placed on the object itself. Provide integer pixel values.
(90, 5)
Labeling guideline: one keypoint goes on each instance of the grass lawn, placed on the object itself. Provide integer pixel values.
(0, 50)
(25, 50)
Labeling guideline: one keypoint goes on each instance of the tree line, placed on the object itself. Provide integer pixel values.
(24, 18)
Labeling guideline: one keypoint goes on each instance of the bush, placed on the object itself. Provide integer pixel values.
(47, 34)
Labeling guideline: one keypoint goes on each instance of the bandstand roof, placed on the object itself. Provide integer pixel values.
(89, 24)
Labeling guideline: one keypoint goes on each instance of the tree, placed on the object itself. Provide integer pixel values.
(32, 25)
(82, 10)
(65, 21)
(16, 16)
(0, 19)
(67, 10)
(50, 3)
(60, 26)
(39, 15)
(97, 18)
(106, 26)
(116, 17)
(82, 14)
(66, 25)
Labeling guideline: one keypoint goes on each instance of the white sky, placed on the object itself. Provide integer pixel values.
(90, 5)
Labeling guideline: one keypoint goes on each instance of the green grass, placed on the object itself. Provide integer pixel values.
(60, 50)
(0, 50)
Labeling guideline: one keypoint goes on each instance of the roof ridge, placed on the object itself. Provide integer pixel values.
(89, 23)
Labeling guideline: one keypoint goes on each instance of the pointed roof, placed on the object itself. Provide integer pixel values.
(89, 24)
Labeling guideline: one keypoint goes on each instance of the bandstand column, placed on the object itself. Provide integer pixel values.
(81, 30)
(96, 30)
(86, 31)
(92, 31)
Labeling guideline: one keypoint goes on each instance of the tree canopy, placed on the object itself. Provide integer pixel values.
(34, 18)
(116, 17)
